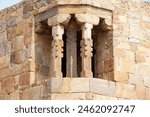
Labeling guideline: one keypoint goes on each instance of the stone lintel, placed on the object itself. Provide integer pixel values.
(87, 18)
(59, 19)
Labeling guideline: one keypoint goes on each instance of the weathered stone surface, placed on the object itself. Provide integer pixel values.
(5, 73)
(11, 96)
(33, 93)
(44, 70)
(68, 96)
(121, 76)
(135, 79)
(80, 85)
(66, 85)
(140, 92)
(3, 37)
(125, 91)
(18, 43)
(59, 19)
(87, 18)
(54, 85)
(102, 87)
(147, 81)
(8, 85)
(139, 57)
(101, 97)
(24, 79)
(4, 62)
(19, 56)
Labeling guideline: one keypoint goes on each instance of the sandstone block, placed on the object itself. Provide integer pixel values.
(147, 81)
(120, 76)
(141, 92)
(54, 85)
(102, 87)
(80, 85)
(33, 93)
(66, 85)
(119, 52)
(3, 37)
(10, 96)
(126, 91)
(20, 56)
(4, 61)
(101, 97)
(139, 57)
(24, 79)
(5, 49)
(136, 79)
(5, 73)
(8, 85)
(18, 43)
(68, 96)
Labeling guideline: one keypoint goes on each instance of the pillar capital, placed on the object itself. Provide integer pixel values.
(62, 19)
(87, 18)
(57, 32)
(87, 31)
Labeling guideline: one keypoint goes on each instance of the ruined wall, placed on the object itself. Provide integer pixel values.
(124, 57)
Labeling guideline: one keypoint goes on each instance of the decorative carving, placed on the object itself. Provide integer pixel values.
(57, 51)
(86, 50)
(57, 48)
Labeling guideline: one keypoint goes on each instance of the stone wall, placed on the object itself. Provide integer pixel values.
(123, 57)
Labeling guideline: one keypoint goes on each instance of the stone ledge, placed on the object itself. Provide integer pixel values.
(103, 87)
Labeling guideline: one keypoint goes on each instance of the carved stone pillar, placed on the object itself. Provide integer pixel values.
(57, 23)
(57, 51)
(87, 21)
(71, 50)
(86, 50)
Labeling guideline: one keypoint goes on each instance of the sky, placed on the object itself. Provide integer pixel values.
(7, 3)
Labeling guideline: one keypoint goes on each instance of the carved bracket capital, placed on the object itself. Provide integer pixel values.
(87, 18)
(62, 19)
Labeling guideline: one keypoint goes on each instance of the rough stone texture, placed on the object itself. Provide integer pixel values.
(103, 87)
(71, 96)
(80, 85)
(125, 91)
(33, 93)
(119, 48)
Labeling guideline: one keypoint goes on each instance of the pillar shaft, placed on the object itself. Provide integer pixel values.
(57, 51)
(86, 50)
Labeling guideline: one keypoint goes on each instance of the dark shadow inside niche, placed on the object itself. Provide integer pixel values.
(42, 41)
(102, 60)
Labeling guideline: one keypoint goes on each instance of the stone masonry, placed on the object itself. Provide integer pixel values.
(75, 49)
